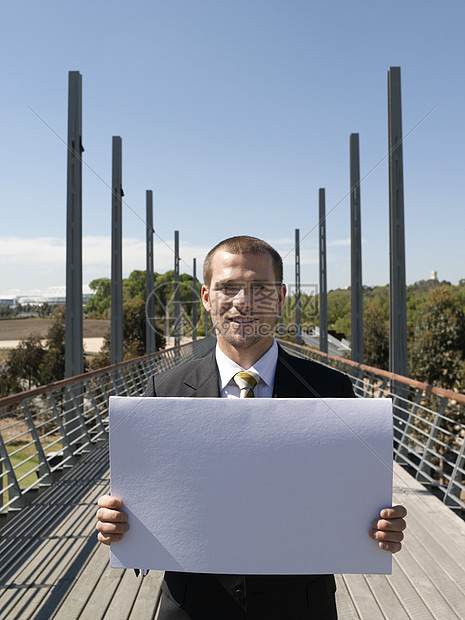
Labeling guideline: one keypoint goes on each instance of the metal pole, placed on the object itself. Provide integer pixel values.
(177, 301)
(150, 340)
(116, 348)
(323, 297)
(167, 322)
(194, 299)
(356, 292)
(398, 303)
(397, 288)
(298, 308)
(74, 364)
(74, 353)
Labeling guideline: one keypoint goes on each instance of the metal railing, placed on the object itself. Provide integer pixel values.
(429, 423)
(45, 430)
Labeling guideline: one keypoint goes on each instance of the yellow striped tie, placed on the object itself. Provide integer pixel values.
(246, 382)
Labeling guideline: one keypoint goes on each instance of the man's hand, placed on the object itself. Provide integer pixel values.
(387, 529)
(112, 521)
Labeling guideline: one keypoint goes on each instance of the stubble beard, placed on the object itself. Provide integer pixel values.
(242, 340)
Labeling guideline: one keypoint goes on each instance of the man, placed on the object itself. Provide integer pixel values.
(243, 291)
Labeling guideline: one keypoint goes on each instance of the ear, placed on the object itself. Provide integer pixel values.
(205, 295)
(281, 296)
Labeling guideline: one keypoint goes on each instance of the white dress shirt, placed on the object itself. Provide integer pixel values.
(265, 367)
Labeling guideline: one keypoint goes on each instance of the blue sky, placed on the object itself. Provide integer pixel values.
(235, 114)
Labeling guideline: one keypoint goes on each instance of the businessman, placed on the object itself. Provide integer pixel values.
(243, 292)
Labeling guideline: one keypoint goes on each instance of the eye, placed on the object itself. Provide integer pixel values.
(230, 289)
(263, 289)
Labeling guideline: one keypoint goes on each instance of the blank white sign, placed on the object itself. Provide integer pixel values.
(251, 486)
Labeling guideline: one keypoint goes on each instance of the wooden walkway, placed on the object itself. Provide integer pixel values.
(51, 565)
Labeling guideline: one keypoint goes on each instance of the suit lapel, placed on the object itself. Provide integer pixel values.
(201, 381)
(288, 381)
(202, 378)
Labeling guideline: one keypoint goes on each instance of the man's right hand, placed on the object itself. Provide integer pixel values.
(112, 521)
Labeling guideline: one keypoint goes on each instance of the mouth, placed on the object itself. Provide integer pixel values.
(242, 320)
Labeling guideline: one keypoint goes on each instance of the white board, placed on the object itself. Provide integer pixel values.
(251, 486)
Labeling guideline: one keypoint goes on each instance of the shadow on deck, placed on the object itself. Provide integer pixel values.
(53, 567)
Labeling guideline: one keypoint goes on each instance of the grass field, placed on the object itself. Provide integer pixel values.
(25, 468)
(31, 464)
(16, 329)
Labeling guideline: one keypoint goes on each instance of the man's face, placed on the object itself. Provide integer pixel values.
(243, 299)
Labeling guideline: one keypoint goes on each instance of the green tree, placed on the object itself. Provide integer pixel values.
(135, 285)
(45, 310)
(375, 337)
(9, 384)
(52, 366)
(100, 302)
(164, 296)
(25, 360)
(437, 354)
(339, 311)
(134, 322)
(34, 362)
(379, 294)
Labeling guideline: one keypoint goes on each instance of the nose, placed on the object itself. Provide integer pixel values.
(243, 298)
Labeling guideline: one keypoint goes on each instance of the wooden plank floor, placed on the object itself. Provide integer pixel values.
(428, 575)
(51, 565)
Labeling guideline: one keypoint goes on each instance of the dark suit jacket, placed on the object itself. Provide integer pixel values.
(255, 597)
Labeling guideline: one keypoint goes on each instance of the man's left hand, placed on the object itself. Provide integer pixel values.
(388, 528)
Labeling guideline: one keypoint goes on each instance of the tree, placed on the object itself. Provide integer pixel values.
(100, 302)
(437, 354)
(45, 310)
(134, 322)
(134, 286)
(375, 337)
(52, 366)
(339, 311)
(35, 363)
(9, 384)
(25, 360)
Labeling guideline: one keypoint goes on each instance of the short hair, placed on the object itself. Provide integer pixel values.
(243, 245)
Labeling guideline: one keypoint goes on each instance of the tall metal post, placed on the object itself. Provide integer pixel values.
(74, 354)
(398, 302)
(323, 297)
(167, 322)
(298, 302)
(150, 341)
(74, 364)
(177, 298)
(356, 292)
(194, 299)
(116, 347)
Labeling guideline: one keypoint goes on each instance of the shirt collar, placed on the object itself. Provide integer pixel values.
(265, 366)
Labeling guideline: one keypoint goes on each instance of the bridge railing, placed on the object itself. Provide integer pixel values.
(429, 423)
(45, 430)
